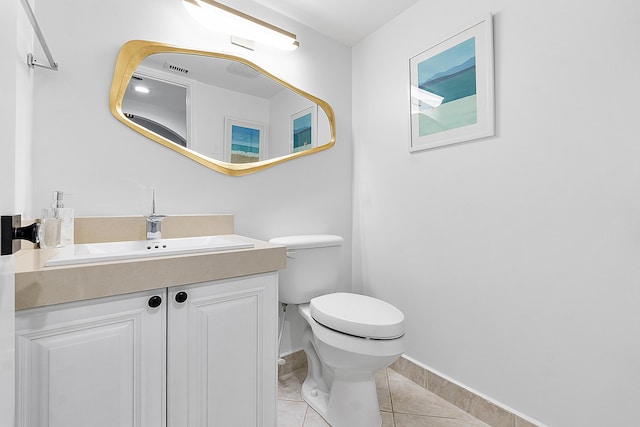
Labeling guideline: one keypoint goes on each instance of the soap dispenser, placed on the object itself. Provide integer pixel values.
(66, 219)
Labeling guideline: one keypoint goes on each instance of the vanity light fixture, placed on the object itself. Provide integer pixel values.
(239, 25)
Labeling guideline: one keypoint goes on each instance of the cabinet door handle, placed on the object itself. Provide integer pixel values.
(155, 301)
(181, 297)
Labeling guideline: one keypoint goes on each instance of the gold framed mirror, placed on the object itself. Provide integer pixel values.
(217, 109)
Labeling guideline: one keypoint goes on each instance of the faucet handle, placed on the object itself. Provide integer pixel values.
(154, 226)
(154, 221)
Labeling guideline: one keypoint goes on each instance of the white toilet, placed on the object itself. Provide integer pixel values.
(349, 337)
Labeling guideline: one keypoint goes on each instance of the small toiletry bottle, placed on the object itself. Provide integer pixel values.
(49, 231)
(66, 219)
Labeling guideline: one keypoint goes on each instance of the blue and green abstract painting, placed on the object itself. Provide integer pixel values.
(452, 75)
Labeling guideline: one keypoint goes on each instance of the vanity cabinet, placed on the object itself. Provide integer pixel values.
(199, 355)
(221, 353)
(91, 363)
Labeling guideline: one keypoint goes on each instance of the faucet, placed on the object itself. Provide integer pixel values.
(154, 221)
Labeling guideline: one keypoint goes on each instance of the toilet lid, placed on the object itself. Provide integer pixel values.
(358, 315)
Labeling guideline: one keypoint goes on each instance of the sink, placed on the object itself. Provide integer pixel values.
(111, 251)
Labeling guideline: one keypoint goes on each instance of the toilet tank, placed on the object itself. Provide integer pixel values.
(312, 267)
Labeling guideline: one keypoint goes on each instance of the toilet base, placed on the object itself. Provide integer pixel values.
(340, 383)
(350, 403)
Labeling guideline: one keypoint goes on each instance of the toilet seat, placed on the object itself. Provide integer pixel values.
(351, 343)
(358, 315)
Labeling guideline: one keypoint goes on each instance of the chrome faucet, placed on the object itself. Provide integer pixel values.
(154, 221)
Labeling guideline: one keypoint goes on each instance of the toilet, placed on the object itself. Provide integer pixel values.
(348, 337)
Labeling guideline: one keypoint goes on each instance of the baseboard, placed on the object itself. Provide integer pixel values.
(475, 404)
(480, 407)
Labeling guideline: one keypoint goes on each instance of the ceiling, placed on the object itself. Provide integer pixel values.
(347, 21)
(213, 71)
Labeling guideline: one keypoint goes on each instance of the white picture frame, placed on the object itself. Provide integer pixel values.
(303, 130)
(244, 141)
(452, 89)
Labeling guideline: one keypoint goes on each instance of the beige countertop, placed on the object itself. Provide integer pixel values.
(37, 285)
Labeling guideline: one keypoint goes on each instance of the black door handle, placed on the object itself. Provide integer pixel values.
(11, 233)
(181, 297)
(155, 301)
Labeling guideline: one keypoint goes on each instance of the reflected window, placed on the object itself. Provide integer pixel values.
(157, 128)
(158, 105)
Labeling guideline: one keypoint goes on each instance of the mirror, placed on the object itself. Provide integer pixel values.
(219, 110)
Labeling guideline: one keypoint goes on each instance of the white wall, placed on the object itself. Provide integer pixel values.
(15, 171)
(8, 43)
(514, 258)
(109, 169)
(282, 106)
(208, 118)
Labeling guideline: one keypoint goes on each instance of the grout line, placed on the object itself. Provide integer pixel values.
(393, 411)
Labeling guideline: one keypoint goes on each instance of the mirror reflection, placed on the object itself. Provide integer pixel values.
(220, 110)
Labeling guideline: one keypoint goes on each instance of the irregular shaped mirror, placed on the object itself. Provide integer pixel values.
(220, 110)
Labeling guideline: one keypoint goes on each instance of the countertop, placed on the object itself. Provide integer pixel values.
(38, 286)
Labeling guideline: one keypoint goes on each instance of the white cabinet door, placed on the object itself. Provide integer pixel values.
(221, 353)
(98, 363)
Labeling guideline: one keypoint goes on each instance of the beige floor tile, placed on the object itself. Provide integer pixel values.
(382, 387)
(411, 420)
(387, 419)
(403, 403)
(291, 414)
(408, 397)
(312, 419)
(290, 385)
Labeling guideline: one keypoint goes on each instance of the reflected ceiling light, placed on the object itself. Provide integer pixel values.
(225, 19)
(423, 98)
(141, 89)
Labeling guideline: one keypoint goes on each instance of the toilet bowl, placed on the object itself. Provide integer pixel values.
(348, 337)
(340, 383)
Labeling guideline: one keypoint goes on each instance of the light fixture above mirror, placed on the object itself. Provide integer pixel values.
(219, 110)
(244, 29)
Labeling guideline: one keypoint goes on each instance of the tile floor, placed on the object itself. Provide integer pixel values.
(403, 403)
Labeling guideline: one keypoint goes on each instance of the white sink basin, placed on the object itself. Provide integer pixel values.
(111, 251)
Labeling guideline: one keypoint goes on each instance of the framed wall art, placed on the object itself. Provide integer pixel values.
(303, 130)
(245, 141)
(451, 89)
